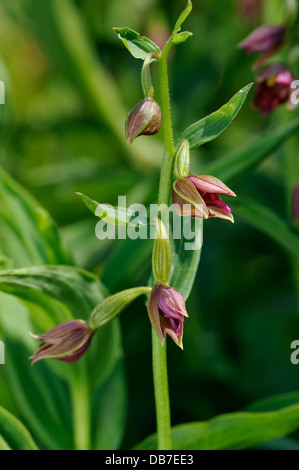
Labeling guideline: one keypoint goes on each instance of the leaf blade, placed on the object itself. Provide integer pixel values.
(231, 431)
(139, 46)
(13, 433)
(210, 127)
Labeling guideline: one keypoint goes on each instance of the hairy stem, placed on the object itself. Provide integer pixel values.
(161, 394)
(159, 351)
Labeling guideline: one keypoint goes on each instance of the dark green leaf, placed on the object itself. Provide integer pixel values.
(114, 215)
(13, 433)
(30, 236)
(213, 125)
(77, 289)
(185, 261)
(231, 431)
(110, 417)
(41, 396)
(239, 162)
(268, 222)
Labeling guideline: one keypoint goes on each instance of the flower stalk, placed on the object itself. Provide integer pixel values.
(159, 353)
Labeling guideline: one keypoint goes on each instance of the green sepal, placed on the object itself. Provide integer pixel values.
(107, 310)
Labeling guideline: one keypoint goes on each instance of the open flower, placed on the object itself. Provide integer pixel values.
(267, 39)
(66, 342)
(166, 309)
(274, 87)
(198, 196)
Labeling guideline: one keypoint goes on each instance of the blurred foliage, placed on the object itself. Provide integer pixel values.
(59, 135)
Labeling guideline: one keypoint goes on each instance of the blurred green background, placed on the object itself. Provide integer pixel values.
(62, 131)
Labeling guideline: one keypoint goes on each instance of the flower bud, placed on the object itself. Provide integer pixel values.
(144, 119)
(166, 310)
(182, 160)
(161, 254)
(66, 342)
(267, 39)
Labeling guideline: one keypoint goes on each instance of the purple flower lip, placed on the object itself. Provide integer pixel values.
(274, 87)
(167, 311)
(66, 342)
(267, 39)
(201, 193)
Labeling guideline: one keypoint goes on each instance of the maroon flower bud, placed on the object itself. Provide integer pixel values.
(295, 204)
(144, 119)
(274, 87)
(66, 342)
(266, 39)
(166, 309)
(201, 193)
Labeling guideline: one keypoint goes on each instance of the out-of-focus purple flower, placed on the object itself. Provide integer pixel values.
(267, 39)
(295, 204)
(274, 87)
(250, 10)
(201, 195)
(166, 309)
(66, 342)
(144, 119)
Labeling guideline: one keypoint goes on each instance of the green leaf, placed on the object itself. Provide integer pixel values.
(242, 160)
(179, 38)
(185, 261)
(129, 261)
(183, 16)
(231, 431)
(278, 444)
(138, 45)
(114, 215)
(44, 401)
(30, 236)
(110, 416)
(78, 290)
(268, 222)
(13, 434)
(213, 125)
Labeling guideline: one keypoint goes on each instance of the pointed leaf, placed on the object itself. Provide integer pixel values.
(138, 45)
(183, 16)
(213, 125)
(264, 219)
(242, 160)
(114, 215)
(185, 257)
(13, 434)
(231, 431)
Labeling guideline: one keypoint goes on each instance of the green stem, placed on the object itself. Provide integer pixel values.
(159, 351)
(167, 164)
(81, 409)
(161, 394)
